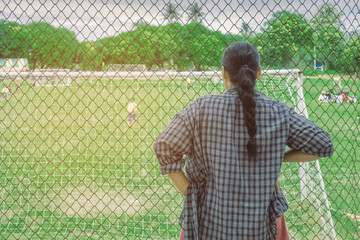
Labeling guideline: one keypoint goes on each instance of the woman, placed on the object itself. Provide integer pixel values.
(234, 145)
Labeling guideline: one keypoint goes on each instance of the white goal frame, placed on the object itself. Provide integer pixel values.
(307, 185)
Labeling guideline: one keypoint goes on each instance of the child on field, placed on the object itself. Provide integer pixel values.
(131, 109)
(5, 91)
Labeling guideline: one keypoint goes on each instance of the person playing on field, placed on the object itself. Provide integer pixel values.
(5, 92)
(328, 95)
(234, 146)
(188, 81)
(33, 81)
(323, 97)
(345, 97)
(353, 99)
(17, 86)
(132, 109)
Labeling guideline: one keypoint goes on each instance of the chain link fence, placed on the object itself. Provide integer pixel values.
(87, 86)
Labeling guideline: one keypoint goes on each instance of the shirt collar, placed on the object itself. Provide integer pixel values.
(231, 91)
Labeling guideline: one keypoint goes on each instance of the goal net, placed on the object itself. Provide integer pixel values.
(50, 77)
(309, 209)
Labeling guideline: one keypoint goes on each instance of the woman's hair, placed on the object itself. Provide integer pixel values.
(242, 61)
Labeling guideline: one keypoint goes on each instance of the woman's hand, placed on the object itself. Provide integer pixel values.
(277, 187)
(180, 181)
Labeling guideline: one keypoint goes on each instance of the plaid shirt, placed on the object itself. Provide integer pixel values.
(229, 196)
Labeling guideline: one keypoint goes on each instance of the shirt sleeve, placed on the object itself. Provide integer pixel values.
(306, 136)
(176, 141)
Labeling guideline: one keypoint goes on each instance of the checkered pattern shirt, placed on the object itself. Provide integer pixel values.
(229, 196)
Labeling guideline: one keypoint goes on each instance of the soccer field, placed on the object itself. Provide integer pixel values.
(71, 168)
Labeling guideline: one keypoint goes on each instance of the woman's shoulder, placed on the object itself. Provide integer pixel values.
(211, 103)
(262, 98)
(229, 98)
(212, 98)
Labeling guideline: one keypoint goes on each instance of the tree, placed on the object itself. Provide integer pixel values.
(51, 47)
(177, 47)
(13, 40)
(283, 37)
(195, 14)
(201, 48)
(245, 28)
(350, 59)
(149, 45)
(121, 49)
(163, 47)
(171, 15)
(140, 22)
(92, 59)
(329, 37)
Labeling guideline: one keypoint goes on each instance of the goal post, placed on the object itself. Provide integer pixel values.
(50, 77)
(310, 180)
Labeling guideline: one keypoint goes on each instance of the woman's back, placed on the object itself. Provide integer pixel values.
(238, 192)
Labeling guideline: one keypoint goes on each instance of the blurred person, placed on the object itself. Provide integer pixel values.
(17, 86)
(328, 95)
(188, 81)
(132, 109)
(5, 92)
(323, 97)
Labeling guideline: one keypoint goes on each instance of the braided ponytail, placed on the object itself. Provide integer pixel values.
(242, 61)
(246, 94)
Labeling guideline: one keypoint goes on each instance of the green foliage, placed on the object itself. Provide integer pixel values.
(351, 56)
(283, 36)
(149, 45)
(51, 47)
(154, 46)
(13, 40)
(91, 56)
(287, 40)
(200, 47)
(195, 14)
(171, 14)
(329, 37)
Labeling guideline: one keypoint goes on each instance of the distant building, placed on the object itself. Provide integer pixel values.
(14, 64)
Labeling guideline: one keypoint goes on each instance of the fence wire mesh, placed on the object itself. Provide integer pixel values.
(87, 86)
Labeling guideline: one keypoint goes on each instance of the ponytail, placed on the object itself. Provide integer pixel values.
(242, 61)
(246, 92)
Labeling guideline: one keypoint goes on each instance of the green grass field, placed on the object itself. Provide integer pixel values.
(71, 168)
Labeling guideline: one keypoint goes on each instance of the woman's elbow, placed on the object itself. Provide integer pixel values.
(156, 146)
(331, 149)
(328, 150)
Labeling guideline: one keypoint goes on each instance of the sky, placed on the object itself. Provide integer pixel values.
(95, 19)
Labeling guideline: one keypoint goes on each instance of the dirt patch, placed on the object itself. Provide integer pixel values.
(349, 215)
(83, 201)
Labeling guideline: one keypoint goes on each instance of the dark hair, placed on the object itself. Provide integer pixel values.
(242, 61)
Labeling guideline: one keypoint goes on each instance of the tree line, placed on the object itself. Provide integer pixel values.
(287, 40)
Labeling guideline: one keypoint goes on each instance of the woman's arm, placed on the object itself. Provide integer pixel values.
(298, 156)
(180, 181)
(306, 136)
